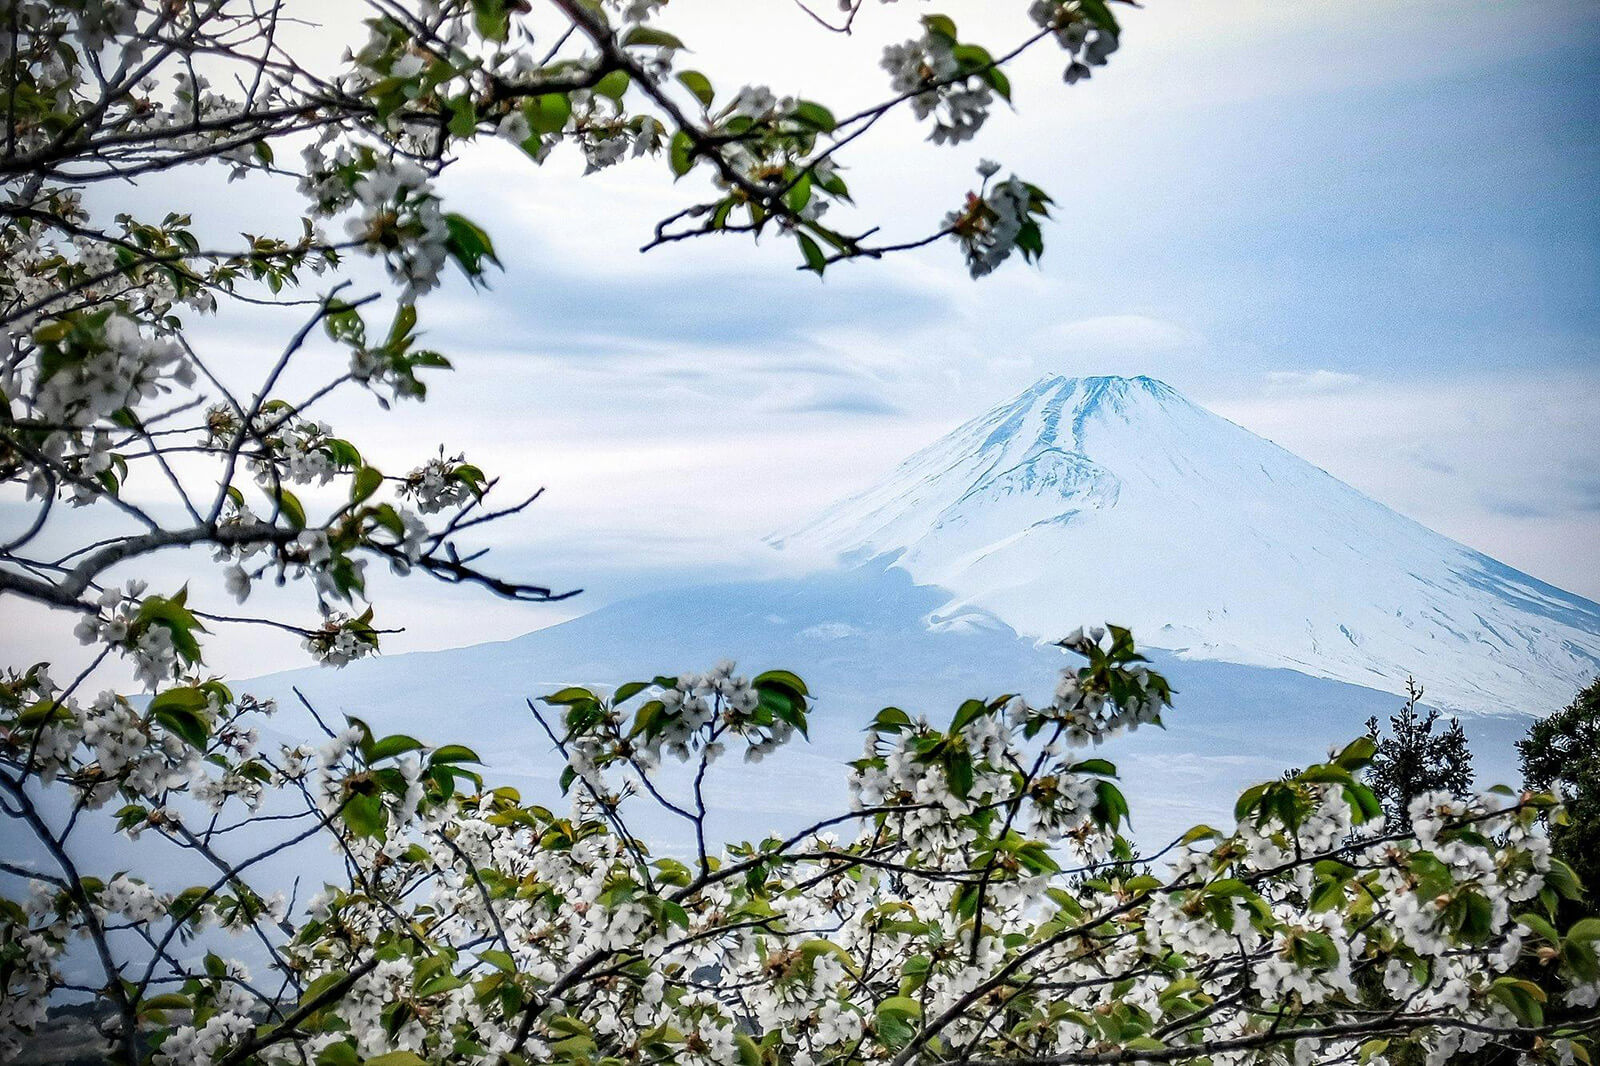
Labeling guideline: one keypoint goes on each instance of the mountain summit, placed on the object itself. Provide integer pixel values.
(1117, 498)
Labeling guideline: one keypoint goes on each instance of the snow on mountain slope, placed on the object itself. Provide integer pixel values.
(1116, 498)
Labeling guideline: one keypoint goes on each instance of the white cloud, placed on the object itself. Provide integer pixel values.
(1282, 381)
(1123, 334)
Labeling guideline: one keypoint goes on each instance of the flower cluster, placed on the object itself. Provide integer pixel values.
(90, 369)
(997, 221)
(398, 217)
(1088, 43)
(443, 484)
(342, 639)
(928, 72)
(154, 632)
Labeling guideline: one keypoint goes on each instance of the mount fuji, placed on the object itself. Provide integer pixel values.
(1116, 498)
(1284, 606)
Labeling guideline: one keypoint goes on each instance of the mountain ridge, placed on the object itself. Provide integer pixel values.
(1112, 497)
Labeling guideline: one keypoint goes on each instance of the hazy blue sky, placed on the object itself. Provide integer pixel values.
(1369, 232)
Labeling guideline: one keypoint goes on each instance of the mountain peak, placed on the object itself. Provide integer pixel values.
(1056, 411)
(1091, 390)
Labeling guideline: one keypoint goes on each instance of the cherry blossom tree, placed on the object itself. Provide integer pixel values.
(977, 903)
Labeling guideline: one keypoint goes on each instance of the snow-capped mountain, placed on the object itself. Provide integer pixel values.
(1116, 498)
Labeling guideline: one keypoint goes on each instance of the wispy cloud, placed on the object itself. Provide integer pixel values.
(1514, 508)
(1311, 381)
(1116, 334)
(589, 316)
(859, 404)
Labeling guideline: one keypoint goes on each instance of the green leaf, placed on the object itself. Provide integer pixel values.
(389, 747)
(292, 510)
(346, 456)
(405, 320)
(548, 113)
(972, 57)
(1099, 13)
(1523, 998)
(903, 1005)
(366, 816)
(443, 983)
(44, 711)
(998, 82)
(1363, 800)
(673, 913)
(895, 1018)
(339, 1054)
(1539, 927)
(698, 84)
(454, 753)
(468, 245)
(498, 959)
(942, 25)
(969, 712)
(816, 262)
(891, 720)
(613, 85)
(463, 116)
(815, 115)
(645, 719)
(367, 481)
(1372, 1048)
(680, 154)
(182, 712)
(813, 948)
(491, 19)
(799, 193)
(1110, 808)
(166, 1001)
(1143, 1043)
(1561, 878)
(960, 774)
(626, 692)
(788, 680)
(188, 698)
(569, 696)
(1357, 753)
(1248, 801)
(1580, 957)
(650, 37)
(1325, 774)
